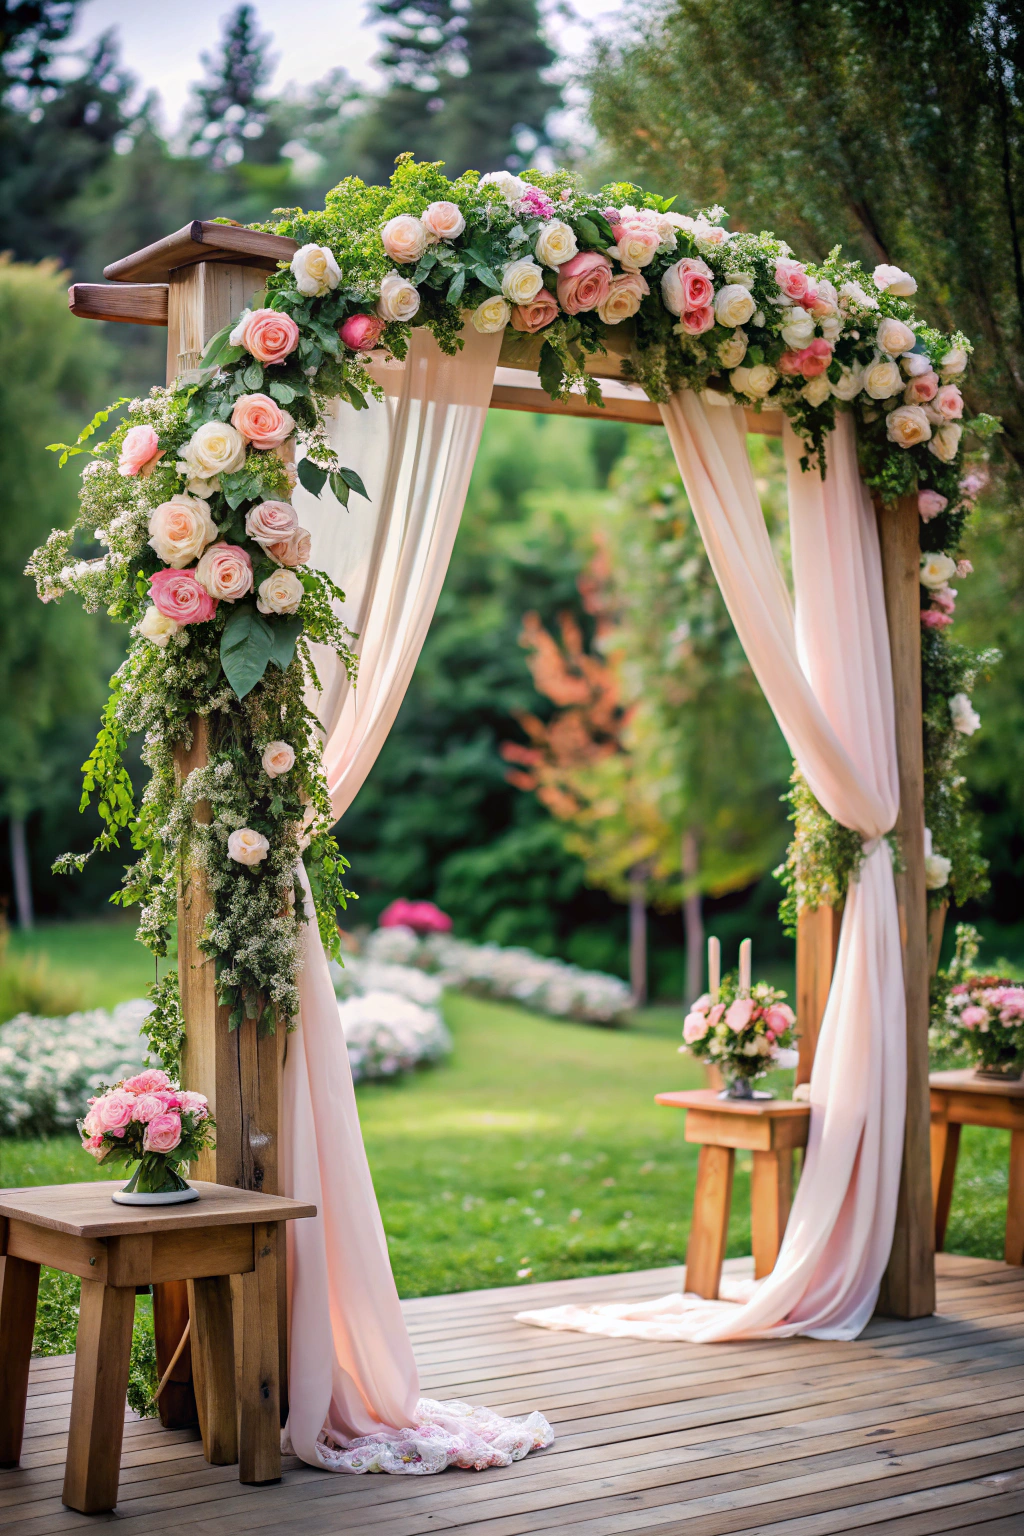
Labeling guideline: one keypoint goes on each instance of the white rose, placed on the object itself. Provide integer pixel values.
(505, 184)
(443, 221)
(758, 319)
(882, 378)
(755, 382)
(894, 337)
(215, 448)
(915, 363)
(521, 280)
(799, 328)
(404, 238)
(315, 270)
(492, 315)
(399, 299)
(963, 714)
(953, 362)
(849, 384)
(854, 294)
(278, 758)
(816, 391)
(936, 570)
(556, 243)
(936, 871)
(247, 847)
(907, 426)
(733, 349)
(826, 292)
(895, 280)
(831, 327)
(280, 593)
(156, 626)
(946, 441)
(236, 338)
(734, 304)
(180, 530)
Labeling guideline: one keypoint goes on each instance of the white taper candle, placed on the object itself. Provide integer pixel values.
(745, 949)
(714, 968)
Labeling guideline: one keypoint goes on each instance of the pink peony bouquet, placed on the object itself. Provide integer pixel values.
(739, 1032)
(978, 1015)
(149, 1120)
(420, 916)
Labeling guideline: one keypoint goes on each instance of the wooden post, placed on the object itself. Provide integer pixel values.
(908, 1289)
(817, 941)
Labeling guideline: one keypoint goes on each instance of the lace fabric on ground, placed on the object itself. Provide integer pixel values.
(450, 1434)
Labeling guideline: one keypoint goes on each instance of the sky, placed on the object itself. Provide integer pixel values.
(161, 45)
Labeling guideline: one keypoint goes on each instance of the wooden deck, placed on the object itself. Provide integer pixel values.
(916, 1428)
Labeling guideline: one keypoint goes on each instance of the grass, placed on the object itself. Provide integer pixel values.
(101, 961)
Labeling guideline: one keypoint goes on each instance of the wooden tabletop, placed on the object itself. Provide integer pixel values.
(964, 1081)
(86, 1210)
(707, 1098)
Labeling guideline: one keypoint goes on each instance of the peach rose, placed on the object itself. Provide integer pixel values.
(536, 313)
(443, 221)
(267, 334)
(225, 570)
(180, 530)
(262, 421)
(624, 296)
(636, 244)
(247, 847)
(163, 1133)
(908, 425)
(280, 593)
(815, 358)
(696, 321)
(584, 282)
(139, 451)
(278, 757)
(270, 522)
(361, 332)
(294, 550)
(405, 238)
(178, 596)
(687, 285)
(949, 402)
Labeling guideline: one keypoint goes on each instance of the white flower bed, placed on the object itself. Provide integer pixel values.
(387, 1034)
(360, 975)
(49, 1067)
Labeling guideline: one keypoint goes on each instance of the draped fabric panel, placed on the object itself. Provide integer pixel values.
(826, 673)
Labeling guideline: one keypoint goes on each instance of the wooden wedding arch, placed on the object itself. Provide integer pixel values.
(194, 282)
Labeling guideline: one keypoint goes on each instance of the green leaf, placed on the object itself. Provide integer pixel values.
(311, 476)
(286, 632)
(351, 478)
(216, 344)
(246, 646)
(550, 370)
(340, 488)
(426, 262)
(587, 232)
(456, 286)
(604, 229)
(252, 377)
(282, 393)
(487, 277)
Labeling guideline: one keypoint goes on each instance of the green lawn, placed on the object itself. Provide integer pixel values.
(103, 959)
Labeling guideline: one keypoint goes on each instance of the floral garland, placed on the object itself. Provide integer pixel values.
(206, 561)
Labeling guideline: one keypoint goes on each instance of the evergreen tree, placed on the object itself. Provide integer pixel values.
(422, 43)
(231, 109)
(497, 105)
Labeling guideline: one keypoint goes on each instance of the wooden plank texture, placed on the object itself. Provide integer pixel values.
(130, 303)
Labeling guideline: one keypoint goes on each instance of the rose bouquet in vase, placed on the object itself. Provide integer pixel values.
(738, 1027)
(978, 1014)
(149, 1120)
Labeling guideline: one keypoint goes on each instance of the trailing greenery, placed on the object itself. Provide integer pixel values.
(822, 859)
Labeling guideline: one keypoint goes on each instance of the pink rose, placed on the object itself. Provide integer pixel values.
(421, 916)
(139, 451)
(930, 504)
(973, 1016)
(93, 1145)
(262, 421)
(789, 364)
(163, 1133)
(944, 598)
(695, 1027)
(584, 281)
(696, 321)
(779, 1017)
(225, 570)
(974, 482)
(150, 1081)
(949, 402)
(268, 335)
(922, 388)
(738, 1014)
(932, 618)
(443, 221)
(687, 285)
(293, 551)
(715, 1014)
(536, 313)
(178, 596)
(91, 1122)
(115, 1110)
(194, 1104)
(271, 522)
(792, 279)
(815, 358)
(362, 332)
(147, 1105)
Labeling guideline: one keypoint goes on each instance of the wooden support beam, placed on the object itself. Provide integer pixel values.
(908, 1289)
(817, 942)
(131, 303)
(201, 241)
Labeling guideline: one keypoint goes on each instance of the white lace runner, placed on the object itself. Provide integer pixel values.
(450, 1434)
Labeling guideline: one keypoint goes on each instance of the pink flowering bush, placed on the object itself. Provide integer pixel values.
(149, 1120)
(420, 916)
(977, 1015)
(740, 1033)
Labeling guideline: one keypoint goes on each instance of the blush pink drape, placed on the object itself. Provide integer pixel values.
(826, 673)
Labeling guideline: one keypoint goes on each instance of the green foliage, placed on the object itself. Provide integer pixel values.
(56, 1333)
(164, 1027)
(822, 859)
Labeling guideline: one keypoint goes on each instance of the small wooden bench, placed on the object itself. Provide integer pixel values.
(768, 1128)
(960, 1098)
(115, 1248)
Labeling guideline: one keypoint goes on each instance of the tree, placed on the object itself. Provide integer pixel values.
(230, 107)
(893, 126)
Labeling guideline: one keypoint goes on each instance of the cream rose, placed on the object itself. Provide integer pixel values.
(443, 221)
(894, 337)
(816, 391)
(907, 426)
(946, 441)
(799, 328)
(914, 364)
(278, 758)
(882, 378)
(225, 571)
(280, 593)
(849, 383)
(733, 349)
(399, 299)
(492, 315)
(754, 382)
(315, 270)
(156, 626)
(556, 243)
(521, 280)
(404, 237)
(180, 530)
(247, 847)
(505, 184)
(936, 570)
(936, 871)
(895, 280)
(636, 246)
(624, 296)
(734, 304)
(964, 716)
(953, 362)
(215, 448)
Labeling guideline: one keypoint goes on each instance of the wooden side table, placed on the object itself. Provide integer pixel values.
(114, 1248)
(960, 1098)
(770, 1129)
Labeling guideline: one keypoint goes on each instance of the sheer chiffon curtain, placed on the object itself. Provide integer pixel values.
(351, 1370)
(825, 671)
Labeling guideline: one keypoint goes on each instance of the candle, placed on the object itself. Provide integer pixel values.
(745, 949)
(714, 968)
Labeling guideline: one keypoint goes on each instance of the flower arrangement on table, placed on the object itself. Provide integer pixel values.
(738, 1027)
(978, 1015)
(149, 1120)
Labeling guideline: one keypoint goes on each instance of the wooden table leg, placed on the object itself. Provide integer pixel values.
(712, 1199)
(177, 1403)
(97, 1401)
(771, 1195)
(1014, 1250)
(19, 1287)
(259, 1429)
(213, 1365)
(945, 1146)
